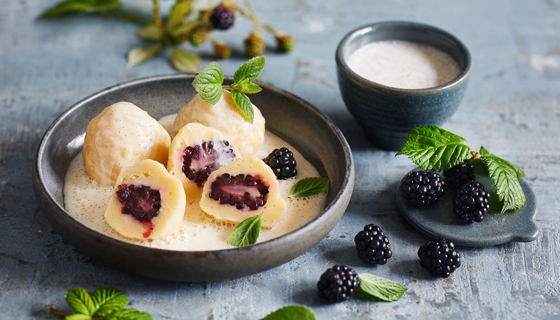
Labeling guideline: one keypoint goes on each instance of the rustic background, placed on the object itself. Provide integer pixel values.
(512, 107)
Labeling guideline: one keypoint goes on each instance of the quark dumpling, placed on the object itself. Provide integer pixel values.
(241, 189)
(122, 135)
(225, 118)
(147, 202)
(195, 152)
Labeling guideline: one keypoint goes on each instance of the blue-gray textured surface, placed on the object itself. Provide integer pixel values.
(512, 106)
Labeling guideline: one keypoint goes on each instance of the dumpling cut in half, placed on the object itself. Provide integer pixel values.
(147, 202)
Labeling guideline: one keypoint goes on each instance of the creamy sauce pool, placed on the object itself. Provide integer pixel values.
(86, 201)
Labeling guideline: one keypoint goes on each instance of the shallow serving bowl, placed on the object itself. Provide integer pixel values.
(287, 116)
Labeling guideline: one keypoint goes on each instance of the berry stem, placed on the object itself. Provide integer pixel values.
(475, 156)
(59, 312)
(157, 16)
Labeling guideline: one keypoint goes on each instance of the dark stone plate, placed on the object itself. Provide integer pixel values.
(438, 221)
(287, 116)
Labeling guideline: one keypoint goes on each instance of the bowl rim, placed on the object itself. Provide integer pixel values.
(341, 63)
(347, 182)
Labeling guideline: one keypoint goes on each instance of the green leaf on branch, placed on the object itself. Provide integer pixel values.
(244, 105)
(80, 6)
(184, 28)
(505, 176)
(432, 148)
(309, 187)
(250, 70)
(151, 32)
(293, 312)
(129, 314)
(247, 232)
(80, 301)
(178, 13)
(208, 83)
(108, 300)
(185, 61)
(381, 288)
(142, 54)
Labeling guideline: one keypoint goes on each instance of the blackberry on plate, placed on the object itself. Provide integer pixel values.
(421, 188)
(471, 202)
(372, 245)
(439, 258)
(222, 18)
(282, 163)
(459, 175)
(338, 283)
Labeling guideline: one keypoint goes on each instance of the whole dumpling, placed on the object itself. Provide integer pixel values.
(225, 117)
(122, 135)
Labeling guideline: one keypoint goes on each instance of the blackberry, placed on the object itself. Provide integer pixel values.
(282, 163)
(439, 258)
(459, 175)
(471, 202)
(222, 18)
(254, 45)
(372, 245)
(422, 188)
(338, 283)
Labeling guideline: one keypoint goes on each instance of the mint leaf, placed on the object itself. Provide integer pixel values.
(244, 105)
(177, 14)
(250, 70)
(309, 187)
(142, 54)
(505, 178)
(80, 301)
(432, 148)
(80, 6)
(208, 83)
(246, 232)
(250, 88)
(130, 314)
(151, 32)
(108, 300)
(381, 288)
(185, 61)
(293, 312)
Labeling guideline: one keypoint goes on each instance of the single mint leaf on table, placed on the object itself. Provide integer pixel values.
(250, 70)
(81, 301)
(381, 288)
(293, 312)
(244, 105)
(505, 176)
(246, 232)
(108, 300)
(432, 148)
(142, 54)
(208, 83)
(309, 187)
(185, 61)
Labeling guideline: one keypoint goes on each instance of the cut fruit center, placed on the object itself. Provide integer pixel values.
(241, 191)
(141, 202)
(200, 160)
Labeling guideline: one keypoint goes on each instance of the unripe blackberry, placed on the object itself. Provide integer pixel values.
(459, 175)
(372, 245)
(439, 258)
(197, 37)
(221, 51)
(422, 188)
(284, 43)
(471, 202)
(282, 163)
(338, 283)
(254, 45)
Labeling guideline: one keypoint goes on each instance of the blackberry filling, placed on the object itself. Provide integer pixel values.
(199, 161)
(241, 191)
(141, 202)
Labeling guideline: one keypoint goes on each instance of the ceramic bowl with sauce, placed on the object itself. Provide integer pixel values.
(289, 117)
(387, 113)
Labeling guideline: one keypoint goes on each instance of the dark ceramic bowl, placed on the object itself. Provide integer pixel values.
(387, 114)
(288, 116)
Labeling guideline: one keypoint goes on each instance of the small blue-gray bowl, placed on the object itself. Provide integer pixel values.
(386, 113)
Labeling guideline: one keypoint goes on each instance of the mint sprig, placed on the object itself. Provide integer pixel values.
(292, 312)
(247, 232)
(104, 303)
(208, 84)
(309, 187)
(505, 176)
(381, 288)
(432, 148)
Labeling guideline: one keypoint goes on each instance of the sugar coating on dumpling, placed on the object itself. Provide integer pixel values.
(122, 135)
(195, 152)
(225, 117)
(147, 202)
